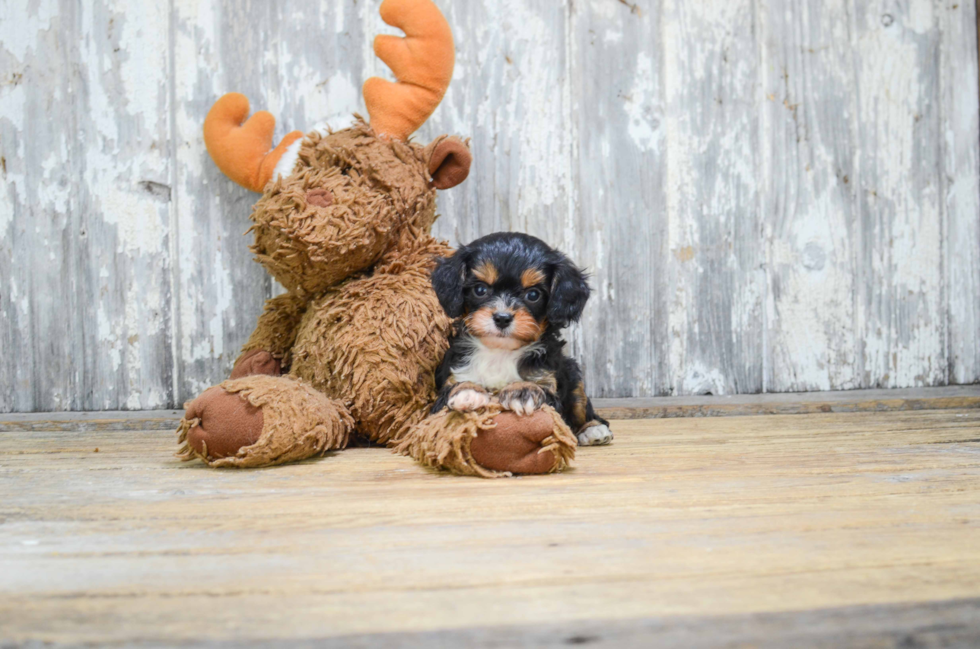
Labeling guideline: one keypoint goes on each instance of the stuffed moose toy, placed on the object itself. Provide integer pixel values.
(343, 223)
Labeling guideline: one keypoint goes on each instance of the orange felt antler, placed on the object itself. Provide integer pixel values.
(243, 151)
(422, 62)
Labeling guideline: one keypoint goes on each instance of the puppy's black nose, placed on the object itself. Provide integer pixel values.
(503, 320)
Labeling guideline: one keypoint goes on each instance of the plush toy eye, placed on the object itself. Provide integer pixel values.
(533, 295)
(480, 290)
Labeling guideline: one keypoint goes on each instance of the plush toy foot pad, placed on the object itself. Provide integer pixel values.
(515, 444)
(225, 422)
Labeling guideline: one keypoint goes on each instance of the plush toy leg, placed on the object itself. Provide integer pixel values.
(261, 421)
(490, 443)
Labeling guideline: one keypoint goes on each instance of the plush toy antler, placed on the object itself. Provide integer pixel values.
(422, 62)
(243, 149)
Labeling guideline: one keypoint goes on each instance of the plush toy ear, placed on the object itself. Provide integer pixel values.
(447, 282)
(569, 293)
(449, 161)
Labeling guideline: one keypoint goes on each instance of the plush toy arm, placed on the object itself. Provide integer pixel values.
(274, 334)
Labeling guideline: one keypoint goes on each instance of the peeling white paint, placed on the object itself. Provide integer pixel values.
(900, 346)
(8, 196)
(12, 184)
(920, 17)
(140, 226)
(542, 176)
(746, 181)
(20, 38)
(642, 127)
(961, 164)
(715, 295)
(143, 41)
(699, 379)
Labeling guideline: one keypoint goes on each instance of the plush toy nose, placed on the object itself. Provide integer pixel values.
(502, 320)
(319, 197)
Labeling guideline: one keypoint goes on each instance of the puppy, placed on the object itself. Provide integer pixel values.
(511, 295)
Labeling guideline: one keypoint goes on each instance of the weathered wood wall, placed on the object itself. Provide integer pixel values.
(773, 195)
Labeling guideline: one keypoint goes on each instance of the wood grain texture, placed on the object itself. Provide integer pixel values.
(809, 207)
(898, 253)
(86, 295)
(948, 624)
(735, 405)
(716, 283)
(772, 196)
(121, 274)
(621, 136)
(38, 236)
(961, 190)
(789, 403)
(687, 517)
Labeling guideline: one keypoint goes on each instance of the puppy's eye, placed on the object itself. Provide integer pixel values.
(533, 295)
(480, 290)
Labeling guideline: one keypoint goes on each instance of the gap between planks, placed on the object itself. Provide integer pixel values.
(795, 403)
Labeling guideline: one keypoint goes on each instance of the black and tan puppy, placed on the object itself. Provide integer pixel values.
(511, 295)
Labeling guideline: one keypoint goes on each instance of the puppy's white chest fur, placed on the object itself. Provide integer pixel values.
(489, 367)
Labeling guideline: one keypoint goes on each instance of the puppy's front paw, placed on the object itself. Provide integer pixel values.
(521, 398)
(597, 435)
(468, 399)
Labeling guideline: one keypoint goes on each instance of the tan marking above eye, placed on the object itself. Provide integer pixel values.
(532, 277)
(486, 272)
(319, 197)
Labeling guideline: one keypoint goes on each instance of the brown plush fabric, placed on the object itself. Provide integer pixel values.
(378, 190)
(491, 444)
(297, 422)
(256, 361)
(276, 329)
(375, 342)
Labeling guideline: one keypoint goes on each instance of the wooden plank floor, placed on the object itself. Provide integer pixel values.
(733, 405)
(681, 527)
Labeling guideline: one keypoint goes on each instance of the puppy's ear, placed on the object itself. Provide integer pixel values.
(447, 282)
(569, 293)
